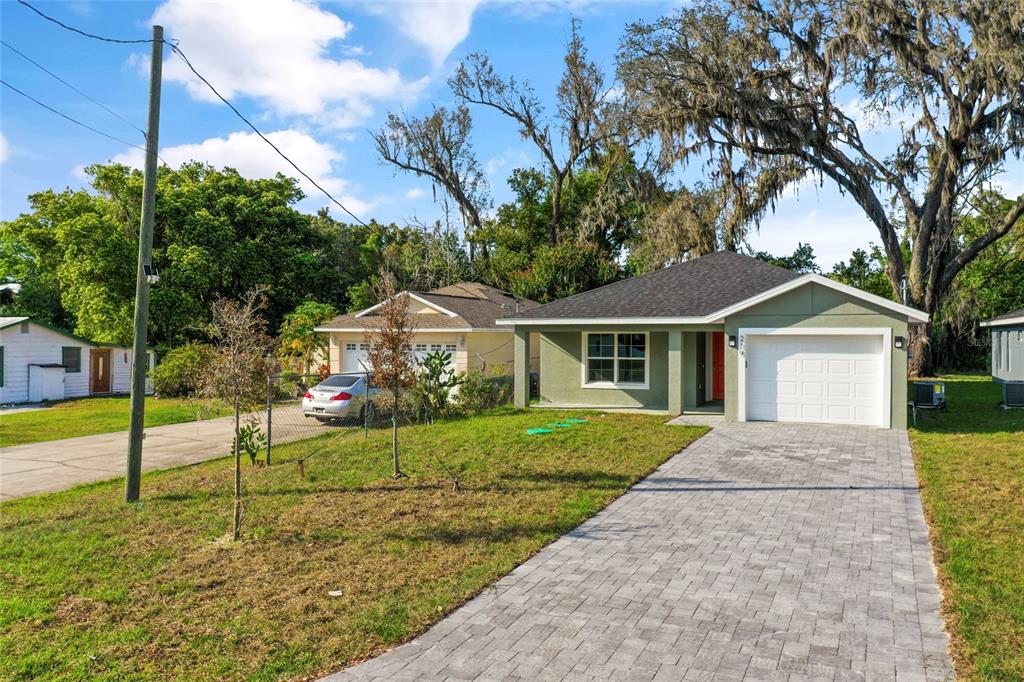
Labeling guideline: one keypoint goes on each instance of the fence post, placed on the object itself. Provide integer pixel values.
(270, 412)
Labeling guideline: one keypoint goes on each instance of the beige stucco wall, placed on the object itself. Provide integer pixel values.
(814, 305)
(474, 350)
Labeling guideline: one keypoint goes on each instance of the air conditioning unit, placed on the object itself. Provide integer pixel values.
(1013, 394)
(929, 394)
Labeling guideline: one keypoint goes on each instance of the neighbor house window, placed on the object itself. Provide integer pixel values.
(616, 359)
(71, 358)
(24, 328)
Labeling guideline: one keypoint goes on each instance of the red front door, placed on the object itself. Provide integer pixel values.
(718, 365)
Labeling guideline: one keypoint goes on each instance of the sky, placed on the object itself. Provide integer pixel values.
(318, 77)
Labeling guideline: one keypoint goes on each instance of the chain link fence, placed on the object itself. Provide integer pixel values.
(315, 412)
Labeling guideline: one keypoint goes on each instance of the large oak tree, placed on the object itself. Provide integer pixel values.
(759, 83)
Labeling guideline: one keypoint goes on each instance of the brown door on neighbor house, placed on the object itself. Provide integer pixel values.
(99, 370)
(718, 365)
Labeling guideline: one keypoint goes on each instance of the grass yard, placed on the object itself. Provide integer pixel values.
(89, 416)
(91, 588)
(970, 460)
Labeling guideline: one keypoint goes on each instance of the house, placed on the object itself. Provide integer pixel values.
(41, 362)
(724, 333)
(1007, 346)
(459, 319)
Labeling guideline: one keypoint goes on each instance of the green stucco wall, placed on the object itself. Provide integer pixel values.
(814, 305)
(561, 374)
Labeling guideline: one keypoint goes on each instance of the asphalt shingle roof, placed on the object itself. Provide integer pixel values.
(476, 306)
(692, 289)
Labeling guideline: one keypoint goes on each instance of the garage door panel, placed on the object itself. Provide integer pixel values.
(815, 378)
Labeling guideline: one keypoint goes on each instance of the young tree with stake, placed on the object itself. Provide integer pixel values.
(392, 361)
(238, 372)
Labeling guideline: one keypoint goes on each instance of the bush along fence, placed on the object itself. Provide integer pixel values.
(319, 409)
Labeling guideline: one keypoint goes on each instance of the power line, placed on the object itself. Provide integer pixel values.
(51, 73)
(75, 121)
(79, 31)
(221, 97)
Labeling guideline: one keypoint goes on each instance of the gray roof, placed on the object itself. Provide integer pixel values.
(476, 306)
(1013, 315)
(695, 288)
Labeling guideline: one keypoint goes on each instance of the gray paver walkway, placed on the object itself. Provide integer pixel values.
(762, 551)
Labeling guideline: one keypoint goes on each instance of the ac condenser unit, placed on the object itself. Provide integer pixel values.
(1013, 394)
(929, 394)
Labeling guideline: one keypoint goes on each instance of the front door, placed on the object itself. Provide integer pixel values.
(718, 365)
(99, 370)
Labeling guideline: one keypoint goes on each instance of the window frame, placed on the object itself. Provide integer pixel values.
(78, 368)
(632, 385)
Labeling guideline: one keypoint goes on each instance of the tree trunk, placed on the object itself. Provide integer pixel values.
(237, 526)
(920, 362)
(394, 434)
(556, 208)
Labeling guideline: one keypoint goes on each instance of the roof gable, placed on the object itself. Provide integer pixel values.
(1014, 317)
(462, 306)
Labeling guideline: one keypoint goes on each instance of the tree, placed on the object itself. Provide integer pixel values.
(761, 84)
(802, 260)
(865, 270)
(580, 119)
(392, 362)
(437, 146)
(237, 372)
(297, 338)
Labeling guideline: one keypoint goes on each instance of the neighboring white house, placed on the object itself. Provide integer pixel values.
(40, 362)
(458, 319)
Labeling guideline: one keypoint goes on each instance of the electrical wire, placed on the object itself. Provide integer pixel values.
(81, 32)
(51, 73)
(238, 113)
(75, 121)
(221, 97)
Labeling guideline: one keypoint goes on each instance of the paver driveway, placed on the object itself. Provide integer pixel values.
(762, 551)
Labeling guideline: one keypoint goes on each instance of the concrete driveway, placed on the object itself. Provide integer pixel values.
(59, 464)
(762, 551)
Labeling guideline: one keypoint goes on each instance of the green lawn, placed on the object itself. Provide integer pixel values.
(970, 460)
(89, 416)
(92, 588)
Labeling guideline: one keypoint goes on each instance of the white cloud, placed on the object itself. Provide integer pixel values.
(415, 193)
(494, 165)
(253, 158)
(5, 150)
(277, 51)
(437, 25)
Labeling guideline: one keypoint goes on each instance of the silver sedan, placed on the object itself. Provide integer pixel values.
(339, 396)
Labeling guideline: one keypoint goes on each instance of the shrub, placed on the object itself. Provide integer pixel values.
(180, 370)
(481, 391)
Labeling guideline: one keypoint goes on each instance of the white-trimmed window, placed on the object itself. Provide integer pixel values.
(616, 359)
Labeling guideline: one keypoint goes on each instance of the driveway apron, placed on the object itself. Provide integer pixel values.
(762, 551)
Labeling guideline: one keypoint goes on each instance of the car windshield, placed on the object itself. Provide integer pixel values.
(339, 381)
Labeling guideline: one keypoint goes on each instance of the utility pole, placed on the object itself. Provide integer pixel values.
(140, 358)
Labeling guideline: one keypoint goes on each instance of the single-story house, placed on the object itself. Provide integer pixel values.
(1007, 346)
(725, 333)
(459, 319)
(41, 362)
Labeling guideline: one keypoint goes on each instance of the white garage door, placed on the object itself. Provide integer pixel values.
(835, 379)
(355, 358)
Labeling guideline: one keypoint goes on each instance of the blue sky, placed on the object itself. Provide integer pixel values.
(318, 77)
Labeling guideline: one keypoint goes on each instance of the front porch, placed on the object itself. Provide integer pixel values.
(667, 370)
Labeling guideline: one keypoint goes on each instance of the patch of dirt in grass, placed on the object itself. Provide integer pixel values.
(77, 610)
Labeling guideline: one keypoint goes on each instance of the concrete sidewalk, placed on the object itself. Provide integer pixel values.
(60, 464)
